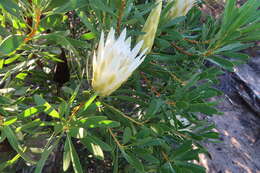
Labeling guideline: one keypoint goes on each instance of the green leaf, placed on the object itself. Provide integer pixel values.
(229, 47)
(5, 101)
(52, 21)
(189, 155)
(192, 167)
(77, 132)
(130, 99)
(2, 136)
(167, 58)
(149, 141)
(167, 168)
(88, 36)
(133, 161)
(78, 43)
(13, 141)
(127, 135)
(228, 13)
(34, 123)
(3, 31)
(48, 108)
(99, 142)
(235, 55)
(31, 111)
(45, 154)
(66, 156)
(86, 21)
(74, 94)
(250, 28)
(3, 112)
(98, 121)
(90, 101)
(226, 64)
(203, 108)
(245, 14)
(10, 120)
(182, 105)
(213, 135)
(2, 62)
(10, 44)
(102, 6)
(154, 107)
(64, 109)
(174, 22)
(93, 147)
(74, 157)
(149, 157)
(252, 36)
(70, 5)
(116, 114)
(9, 162)
(61, 38)
(11, 7)
(11, 59)
(173, 36)
(186, 146)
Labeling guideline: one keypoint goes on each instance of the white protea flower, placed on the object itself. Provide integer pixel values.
(114, 62)
(180, 8)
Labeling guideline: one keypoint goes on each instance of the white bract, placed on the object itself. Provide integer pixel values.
(114, 62)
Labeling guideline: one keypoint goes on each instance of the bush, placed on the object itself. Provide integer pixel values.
(150, 123)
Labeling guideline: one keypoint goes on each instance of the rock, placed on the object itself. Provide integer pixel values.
(247, 77)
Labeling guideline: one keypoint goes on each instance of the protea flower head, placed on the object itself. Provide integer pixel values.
(114, 62)
(150, 27)
(180, 8)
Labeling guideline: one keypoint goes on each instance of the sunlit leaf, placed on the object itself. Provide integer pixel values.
(48, 108)
(10, 44)
(74, 157)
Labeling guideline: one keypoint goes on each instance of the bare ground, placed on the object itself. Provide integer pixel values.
(239, 151)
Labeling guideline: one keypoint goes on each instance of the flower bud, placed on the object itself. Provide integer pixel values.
(150, 27)
(179, 8)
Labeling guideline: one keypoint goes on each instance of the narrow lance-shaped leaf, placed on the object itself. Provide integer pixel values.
(10, 44)
(45, 154)
(66, 156)
(13, 141)
(9, 162)
(93, 148)
(49, 109)
(74, 157)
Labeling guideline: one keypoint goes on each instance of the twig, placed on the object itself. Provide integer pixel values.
(209, 52)
(171, 103)
(122, 114)
(197, 42)
(1, 120)
(36, 25)
(120, 15)
(148, 82)
(84, 104)
(176, 78)
(180, 134)
(166, 157)
(181, 50)
(75, 111)
(115, 139)
(172, 75)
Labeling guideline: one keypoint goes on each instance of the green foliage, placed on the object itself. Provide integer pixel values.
(151, 123)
